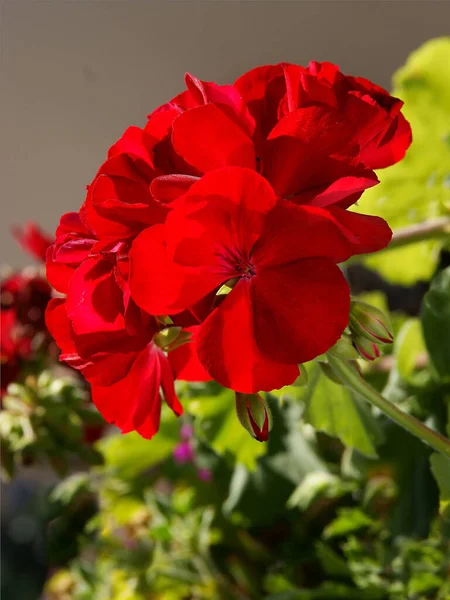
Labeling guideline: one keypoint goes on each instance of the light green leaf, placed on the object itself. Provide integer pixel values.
(131, 454)
(218, 424)
(418, 187)
(348, 521)
(408, 345)
(317, 485)
(70, 488)
(334, 410)
(436, 323)
(440, 466)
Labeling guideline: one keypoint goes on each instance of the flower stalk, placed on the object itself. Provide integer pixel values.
(357, 384)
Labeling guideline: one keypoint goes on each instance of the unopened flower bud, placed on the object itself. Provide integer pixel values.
(366, 348)
(166, 337)
(344, 348)
(370, 322)
(254, 415)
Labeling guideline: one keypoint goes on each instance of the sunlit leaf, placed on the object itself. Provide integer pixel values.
(418, 187)
(334, 410)
(436, 323)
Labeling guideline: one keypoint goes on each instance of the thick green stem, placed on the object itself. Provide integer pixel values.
(351, 378)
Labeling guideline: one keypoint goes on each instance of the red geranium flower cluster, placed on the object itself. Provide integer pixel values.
(208, 243)
(24, 298)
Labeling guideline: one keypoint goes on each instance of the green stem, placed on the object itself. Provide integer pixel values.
(431, 229)
(351, 378)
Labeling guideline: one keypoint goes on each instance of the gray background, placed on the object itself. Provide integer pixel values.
(76, 73)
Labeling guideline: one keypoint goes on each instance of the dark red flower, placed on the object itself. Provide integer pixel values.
(289, 301)
(273, 92)
(33, 240)
(24, 297)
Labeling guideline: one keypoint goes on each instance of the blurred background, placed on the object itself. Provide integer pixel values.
(75, 74)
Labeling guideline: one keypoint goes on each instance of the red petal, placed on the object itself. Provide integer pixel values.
(160, 286)
(344, 192)
(300, 309)
(134, 403)
(138, 145)
(58, 275)
(308, 231)
(223, 213)
(228, 351)
(304, 89)
(226, 96)
(185, 362)
(33, 240)
(167, 384)
(310, 148)
(263, 89)
(58, 324)
(95, 301)
(118, 207)
(207, 138)
(391, 148)
(169, 187)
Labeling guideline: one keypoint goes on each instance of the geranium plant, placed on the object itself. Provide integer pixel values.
(211, 269)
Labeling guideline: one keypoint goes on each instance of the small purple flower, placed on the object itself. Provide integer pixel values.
(183, 453)
(204, 474)
(186, 431)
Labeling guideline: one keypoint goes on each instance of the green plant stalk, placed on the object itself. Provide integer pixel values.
(351, 378)
(428, 230)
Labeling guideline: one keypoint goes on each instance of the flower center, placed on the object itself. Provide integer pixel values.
(245, 269)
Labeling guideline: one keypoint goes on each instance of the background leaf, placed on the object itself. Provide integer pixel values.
(131, 454)
(436, 323)
(334, 410)
(418, 187)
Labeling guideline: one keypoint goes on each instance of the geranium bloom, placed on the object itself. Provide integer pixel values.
(24, 297)
(102, 333)
(289, 301)
(33, 240)
(276, 91)
(313, 133)
(243, 185)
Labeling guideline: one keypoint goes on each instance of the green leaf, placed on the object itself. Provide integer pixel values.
(436, 323)
(261, 495)
(348, 521)
(131, 454)
(417, 188)
(334, 410)
(318, 485)
(218, 425)
(440, 466)
(71, 488)
(332, 563)
(408, 345)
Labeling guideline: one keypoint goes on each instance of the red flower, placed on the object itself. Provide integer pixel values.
(33, 240)
(380, 130)
(289, 301)
(309, 153)
(127, 385)
(102, 332)
(24, 298)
